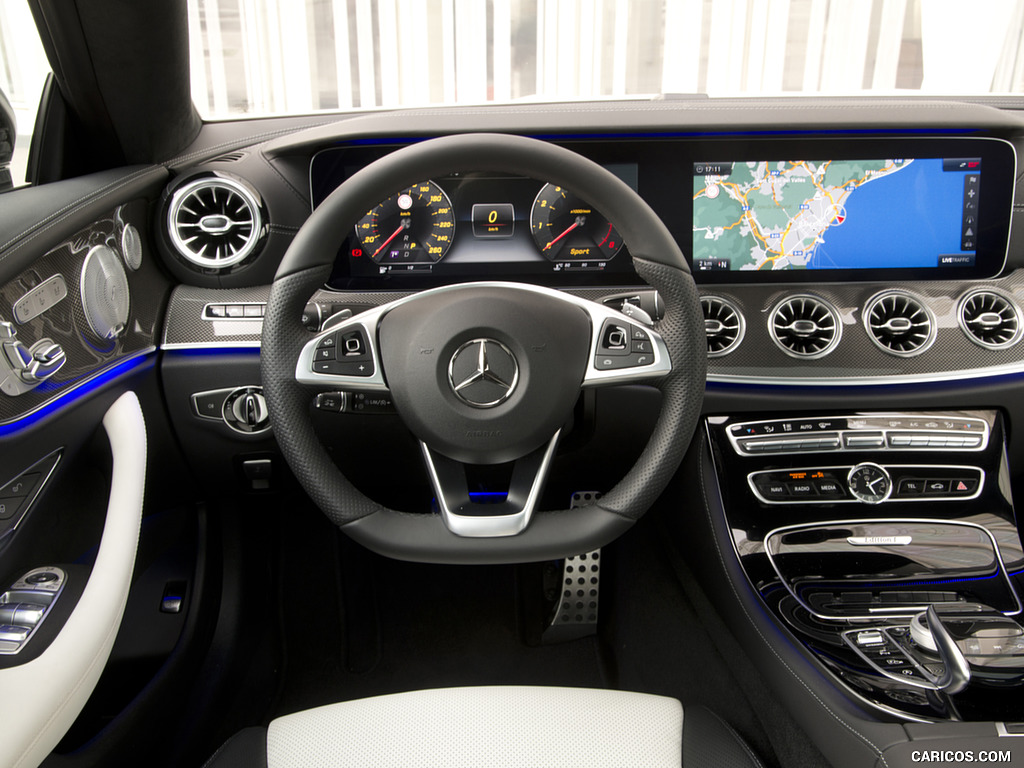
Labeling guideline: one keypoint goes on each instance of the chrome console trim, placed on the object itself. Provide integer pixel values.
(879, 613)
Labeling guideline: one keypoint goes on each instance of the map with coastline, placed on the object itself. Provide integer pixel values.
(778, 214)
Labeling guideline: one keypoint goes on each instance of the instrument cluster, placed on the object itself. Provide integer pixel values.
(483, 226)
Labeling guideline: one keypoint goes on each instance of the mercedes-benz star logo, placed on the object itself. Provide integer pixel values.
(483, 373)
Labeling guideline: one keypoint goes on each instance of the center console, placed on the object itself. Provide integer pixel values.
(886, 544)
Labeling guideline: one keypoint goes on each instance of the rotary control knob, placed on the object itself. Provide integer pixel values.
(869, 483)
(245, 410)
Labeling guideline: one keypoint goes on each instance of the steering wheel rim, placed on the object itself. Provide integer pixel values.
(551, 534)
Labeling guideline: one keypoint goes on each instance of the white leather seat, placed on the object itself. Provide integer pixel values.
(492, 727)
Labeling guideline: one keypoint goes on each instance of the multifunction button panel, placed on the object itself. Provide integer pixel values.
(859, 433)
(866, 483)
(345, 353)
(623, 345)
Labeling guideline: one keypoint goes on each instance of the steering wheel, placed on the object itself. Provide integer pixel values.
(484, 373)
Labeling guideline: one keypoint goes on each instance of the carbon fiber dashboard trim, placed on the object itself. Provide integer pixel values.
(65, 322)
(186, 328)
(857, 360)
(756, 360)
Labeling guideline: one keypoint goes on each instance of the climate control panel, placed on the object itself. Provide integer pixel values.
(884, 432)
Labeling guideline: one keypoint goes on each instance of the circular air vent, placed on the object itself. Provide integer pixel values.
(989, 319)
(899, 323)
(805, 326)
(214, 222)
(723, 325)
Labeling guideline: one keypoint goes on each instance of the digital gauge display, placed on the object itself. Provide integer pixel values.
(566, 228)
(414, 226)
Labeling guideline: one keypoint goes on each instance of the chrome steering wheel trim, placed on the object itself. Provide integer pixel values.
(369, 323)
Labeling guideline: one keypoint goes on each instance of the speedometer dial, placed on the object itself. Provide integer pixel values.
(566, 228)
(414, 226)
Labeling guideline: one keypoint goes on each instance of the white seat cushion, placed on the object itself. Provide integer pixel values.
(487, 727)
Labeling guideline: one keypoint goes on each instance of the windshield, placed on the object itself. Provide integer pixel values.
(296, 56)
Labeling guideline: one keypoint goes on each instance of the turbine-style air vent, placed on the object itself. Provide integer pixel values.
(805, 326)
(723, 325)
(899, 324)
(214, 222)
(990, 319)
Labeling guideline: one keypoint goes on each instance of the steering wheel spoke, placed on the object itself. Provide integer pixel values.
(465, 517)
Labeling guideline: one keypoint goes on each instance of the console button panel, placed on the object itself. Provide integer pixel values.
(838, 484)
(891, 653)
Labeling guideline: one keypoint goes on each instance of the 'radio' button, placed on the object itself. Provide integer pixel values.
(802, 488)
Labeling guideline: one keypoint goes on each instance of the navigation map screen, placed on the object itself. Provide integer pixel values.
(882, 213)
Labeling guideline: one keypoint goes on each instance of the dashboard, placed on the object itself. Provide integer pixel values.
(868, 257)
(860, 275)
(862, 312)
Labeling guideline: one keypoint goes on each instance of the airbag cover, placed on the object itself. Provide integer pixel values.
(548, 339)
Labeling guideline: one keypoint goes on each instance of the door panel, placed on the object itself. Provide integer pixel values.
(81, 297)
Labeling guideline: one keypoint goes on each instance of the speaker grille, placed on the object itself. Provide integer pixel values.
(214, 222)
(805, 326)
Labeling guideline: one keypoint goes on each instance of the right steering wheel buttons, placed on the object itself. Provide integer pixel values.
(623, 345)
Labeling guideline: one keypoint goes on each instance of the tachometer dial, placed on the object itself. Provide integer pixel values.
(415, 225)
(566, 228)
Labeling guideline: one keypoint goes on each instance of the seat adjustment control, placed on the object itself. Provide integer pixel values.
(22, 368)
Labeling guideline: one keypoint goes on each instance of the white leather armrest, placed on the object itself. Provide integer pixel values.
(40, 700)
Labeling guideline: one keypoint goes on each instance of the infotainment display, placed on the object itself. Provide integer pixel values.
(848, 215)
